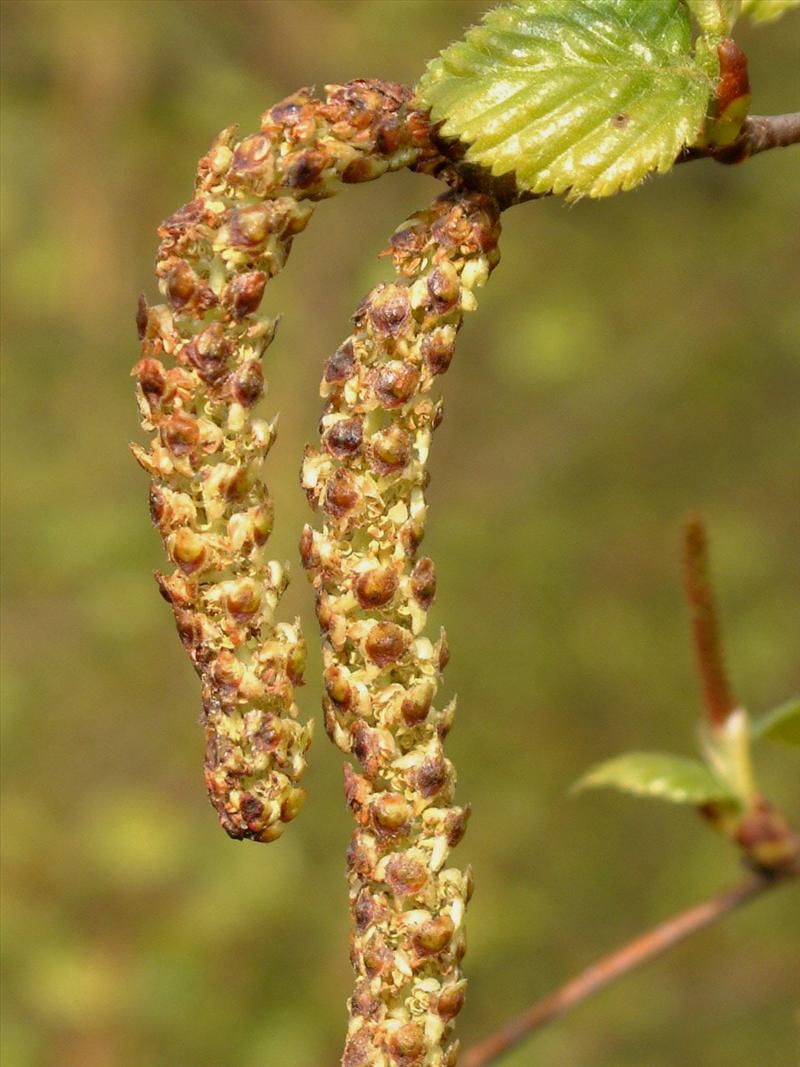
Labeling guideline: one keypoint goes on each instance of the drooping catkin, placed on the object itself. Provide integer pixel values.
(381, 673)
(217, 252)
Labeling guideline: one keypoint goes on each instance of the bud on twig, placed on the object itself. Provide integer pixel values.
(768, 842)
(382, 673)
(199, 378)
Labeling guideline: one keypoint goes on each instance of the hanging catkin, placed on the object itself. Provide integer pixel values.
(381, 673)
(199, 377)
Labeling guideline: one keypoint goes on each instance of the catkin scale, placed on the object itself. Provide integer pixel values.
(381, 673)
(199, 378)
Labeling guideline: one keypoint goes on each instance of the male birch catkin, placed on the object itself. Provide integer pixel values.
(213, 512)
(381, 673)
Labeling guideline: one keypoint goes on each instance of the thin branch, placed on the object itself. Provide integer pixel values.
(613, 966)
(763, 132)
(705, 625)
(759, 133)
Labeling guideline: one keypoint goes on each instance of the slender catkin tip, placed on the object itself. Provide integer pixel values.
(705, 624)
(199, 378)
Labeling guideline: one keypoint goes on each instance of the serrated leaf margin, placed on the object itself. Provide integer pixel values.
(435, 90)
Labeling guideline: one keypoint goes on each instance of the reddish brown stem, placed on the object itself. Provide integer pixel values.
(705, 626)
(613, 966)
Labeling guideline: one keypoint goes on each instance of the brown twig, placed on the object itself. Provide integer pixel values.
(613, 966)
(759, 133)
(705, 626)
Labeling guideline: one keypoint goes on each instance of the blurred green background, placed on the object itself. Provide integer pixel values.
(631, 360)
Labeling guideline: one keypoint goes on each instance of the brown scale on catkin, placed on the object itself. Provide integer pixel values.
(199, 378)
(381, 673)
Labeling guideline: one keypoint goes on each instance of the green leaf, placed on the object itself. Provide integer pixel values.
(781, 724)
(584, 97)
(655, 774)
(767, 10)
(715, 16)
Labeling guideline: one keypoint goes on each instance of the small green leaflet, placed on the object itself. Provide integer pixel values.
(767, 10)
(781, 724)
(581, 97)
(715, 16)
(656, 774)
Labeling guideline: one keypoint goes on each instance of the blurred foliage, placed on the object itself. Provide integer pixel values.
(658, 774)
(630, 360)
(781, 724)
